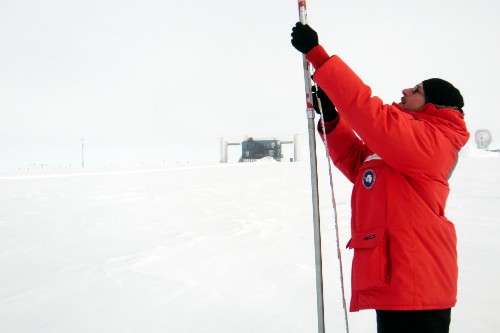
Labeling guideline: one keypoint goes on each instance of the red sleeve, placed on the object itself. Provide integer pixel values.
(346, 150)
(317, 56)
(398, 138)
(329, 125)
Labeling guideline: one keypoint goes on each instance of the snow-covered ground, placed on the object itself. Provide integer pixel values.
(215, 248)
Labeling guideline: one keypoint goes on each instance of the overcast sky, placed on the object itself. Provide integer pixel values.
(150, 80)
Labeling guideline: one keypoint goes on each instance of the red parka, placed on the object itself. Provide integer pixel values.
(405, 254)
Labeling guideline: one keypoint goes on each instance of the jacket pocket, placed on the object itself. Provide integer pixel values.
(370, 265)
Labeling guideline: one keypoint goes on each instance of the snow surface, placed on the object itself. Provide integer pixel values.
(215, 248)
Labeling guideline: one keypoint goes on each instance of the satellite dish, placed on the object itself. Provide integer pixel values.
(483, 138)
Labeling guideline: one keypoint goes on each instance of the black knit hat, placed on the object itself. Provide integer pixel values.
(442, 93)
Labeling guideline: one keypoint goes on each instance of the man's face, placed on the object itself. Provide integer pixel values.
(413, 98)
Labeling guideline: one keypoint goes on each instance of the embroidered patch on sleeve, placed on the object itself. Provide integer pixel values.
(369, 177)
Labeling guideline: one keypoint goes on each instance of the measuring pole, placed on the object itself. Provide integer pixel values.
(314, 180)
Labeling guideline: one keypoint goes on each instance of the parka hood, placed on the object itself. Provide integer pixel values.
(450, 122)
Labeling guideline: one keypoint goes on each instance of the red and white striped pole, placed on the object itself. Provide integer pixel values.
(314, 180)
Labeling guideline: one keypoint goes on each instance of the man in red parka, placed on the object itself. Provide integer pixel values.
(399, 158)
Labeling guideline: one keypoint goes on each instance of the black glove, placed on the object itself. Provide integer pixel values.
(329, 111)
(304, 38)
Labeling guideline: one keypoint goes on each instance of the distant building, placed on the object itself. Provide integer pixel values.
(255, 149)
(252, 150)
